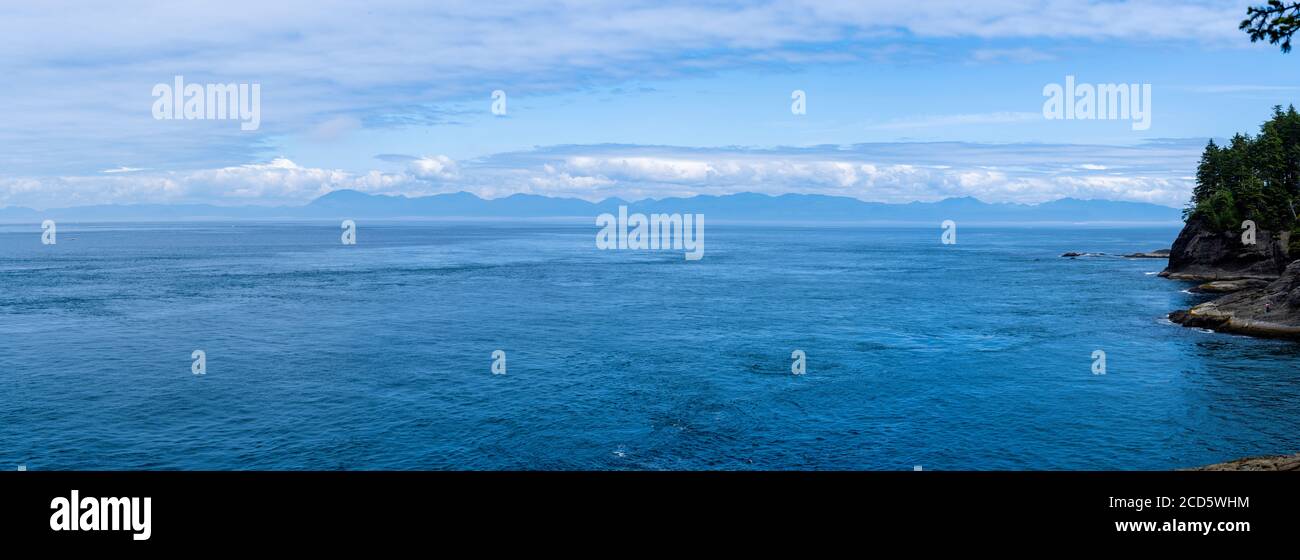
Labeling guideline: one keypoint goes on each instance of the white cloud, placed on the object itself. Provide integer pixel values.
(434, 168)
(893, 172)
(1096, 19)
(280, 181)
(392, 62)
(878, 172)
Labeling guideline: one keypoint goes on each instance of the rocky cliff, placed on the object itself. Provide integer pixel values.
(1262, 285)
(1271, 311)
(1202, 254)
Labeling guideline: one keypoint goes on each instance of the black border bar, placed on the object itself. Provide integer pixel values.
(321, 508)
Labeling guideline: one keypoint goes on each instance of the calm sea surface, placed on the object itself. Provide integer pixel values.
(378, 356)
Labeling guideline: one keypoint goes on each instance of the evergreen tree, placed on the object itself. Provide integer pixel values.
(1252, 178)
(1207, 174)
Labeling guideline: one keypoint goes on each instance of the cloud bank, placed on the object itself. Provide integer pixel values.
(1157, 172)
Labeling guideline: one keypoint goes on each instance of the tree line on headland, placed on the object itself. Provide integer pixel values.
(1254, 178)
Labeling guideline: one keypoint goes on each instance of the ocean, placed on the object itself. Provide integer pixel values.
(379, 356)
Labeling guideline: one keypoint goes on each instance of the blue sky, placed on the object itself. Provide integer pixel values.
(905, 101)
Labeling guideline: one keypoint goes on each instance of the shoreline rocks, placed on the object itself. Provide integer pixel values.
(1229, 286)
(1271, 311)
(1270, 463)
(1214, 277)
(1260, 283)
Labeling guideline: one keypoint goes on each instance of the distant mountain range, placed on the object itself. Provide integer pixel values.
(743, 207)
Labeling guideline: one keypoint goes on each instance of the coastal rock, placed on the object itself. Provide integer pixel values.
(1271, 311)
(1202, 254)
(1229, 286)
(1157, 254)
(1276, 463)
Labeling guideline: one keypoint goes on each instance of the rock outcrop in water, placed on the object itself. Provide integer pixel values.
(1229, 286)
(1261, 284)
(1278, 463)
(1203, 254)
(1271, 311)
(1156, 254)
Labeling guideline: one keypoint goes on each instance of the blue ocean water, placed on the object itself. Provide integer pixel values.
(377, 356)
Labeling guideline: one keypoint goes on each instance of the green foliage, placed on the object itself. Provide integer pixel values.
(1252, 178)
(1275, 21)
(1220, 210)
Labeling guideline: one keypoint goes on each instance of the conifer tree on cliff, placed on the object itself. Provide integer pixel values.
(1256, 177)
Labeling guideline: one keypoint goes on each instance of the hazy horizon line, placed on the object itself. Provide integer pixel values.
(602, 201)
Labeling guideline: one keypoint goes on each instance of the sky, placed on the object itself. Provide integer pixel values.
(903, 101)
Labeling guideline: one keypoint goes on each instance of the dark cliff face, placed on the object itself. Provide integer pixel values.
(1202, 254)
(1271, 311)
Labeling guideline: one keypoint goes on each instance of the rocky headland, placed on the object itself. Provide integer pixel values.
(1262, 298)
(1236, 241)
(1202, 254)
(1260, 282)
